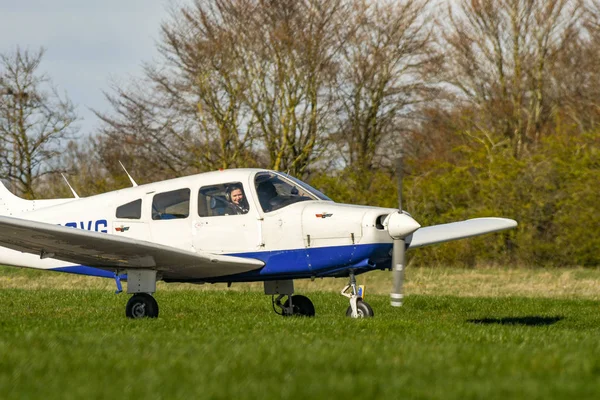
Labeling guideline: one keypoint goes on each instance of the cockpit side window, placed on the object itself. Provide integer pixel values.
(132, 210)
(223, 199)
(275, 192)
(171, 205)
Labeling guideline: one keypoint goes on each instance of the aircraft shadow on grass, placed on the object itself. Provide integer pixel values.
(526, 321)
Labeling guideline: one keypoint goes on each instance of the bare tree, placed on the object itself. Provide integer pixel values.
(383, 81)
(500, 55)
(576, 77)
(278, 84)
(291, 68)
(33, 120)
(240, 83)
(592, 21)
(145, 129)
(260, 71)
(188, 113)
(203, 81)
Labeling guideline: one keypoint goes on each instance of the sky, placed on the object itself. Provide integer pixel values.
(89, 44)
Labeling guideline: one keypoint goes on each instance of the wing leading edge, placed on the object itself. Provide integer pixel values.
(458, 230)
(110, 252)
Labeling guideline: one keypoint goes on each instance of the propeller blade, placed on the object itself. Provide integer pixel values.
(399, 180)
(398, 261)
(399, 226)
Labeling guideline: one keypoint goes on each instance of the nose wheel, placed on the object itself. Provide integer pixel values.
(358, 308)
(363, 310)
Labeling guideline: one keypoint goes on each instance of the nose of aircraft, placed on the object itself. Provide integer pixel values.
(400, 225)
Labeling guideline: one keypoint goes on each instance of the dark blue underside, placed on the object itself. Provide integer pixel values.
(290, 264)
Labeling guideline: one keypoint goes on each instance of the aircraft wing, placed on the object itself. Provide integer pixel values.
(458, 230)
(111, 252)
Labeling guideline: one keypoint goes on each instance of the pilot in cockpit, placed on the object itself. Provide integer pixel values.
(237, 203)
(266, 193)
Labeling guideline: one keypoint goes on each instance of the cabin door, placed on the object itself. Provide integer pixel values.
(171, 222)
(220, 227)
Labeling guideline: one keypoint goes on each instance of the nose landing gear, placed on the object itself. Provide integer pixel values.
(358, 308)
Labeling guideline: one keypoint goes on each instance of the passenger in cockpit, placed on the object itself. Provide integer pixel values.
(237, 203)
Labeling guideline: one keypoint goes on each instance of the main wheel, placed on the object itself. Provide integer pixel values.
(302, 306)
(141, 305)
(363, 310)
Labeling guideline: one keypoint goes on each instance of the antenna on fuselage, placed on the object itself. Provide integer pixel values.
(69, 185)
(129, 176)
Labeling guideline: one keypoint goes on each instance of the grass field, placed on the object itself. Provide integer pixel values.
(64, 337)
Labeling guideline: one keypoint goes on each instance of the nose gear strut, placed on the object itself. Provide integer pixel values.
(358, 308)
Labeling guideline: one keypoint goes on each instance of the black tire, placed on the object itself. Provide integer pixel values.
(302, 306)
(363, 309)
(141, 305)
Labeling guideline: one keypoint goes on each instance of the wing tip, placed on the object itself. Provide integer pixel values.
(510, 223)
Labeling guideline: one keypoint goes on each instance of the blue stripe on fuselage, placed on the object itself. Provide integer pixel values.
(317, 261)
(291, 264)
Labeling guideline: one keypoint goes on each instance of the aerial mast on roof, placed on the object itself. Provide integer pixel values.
(70, 187)
(133, 183)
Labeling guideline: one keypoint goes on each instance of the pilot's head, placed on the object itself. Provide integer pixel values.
(235, 194)
(266, 190)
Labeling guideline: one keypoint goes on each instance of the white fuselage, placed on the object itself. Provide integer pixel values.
(300, 227)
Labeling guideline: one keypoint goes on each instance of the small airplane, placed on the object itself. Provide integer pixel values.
(239, 225)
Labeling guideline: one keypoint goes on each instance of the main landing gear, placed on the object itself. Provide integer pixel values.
(294, 305)
(358, 308)
(142, 283)
(141, 305)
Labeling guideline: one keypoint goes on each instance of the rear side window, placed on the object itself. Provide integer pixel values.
(131, 210)
(171, 205)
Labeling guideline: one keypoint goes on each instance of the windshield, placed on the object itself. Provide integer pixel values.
(276, 191)
(320, 195)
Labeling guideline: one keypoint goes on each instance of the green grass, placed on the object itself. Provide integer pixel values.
(62, 344)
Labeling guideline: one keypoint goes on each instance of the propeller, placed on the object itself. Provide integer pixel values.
(399, 225)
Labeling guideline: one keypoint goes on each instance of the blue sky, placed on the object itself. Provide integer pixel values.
(88, 44)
